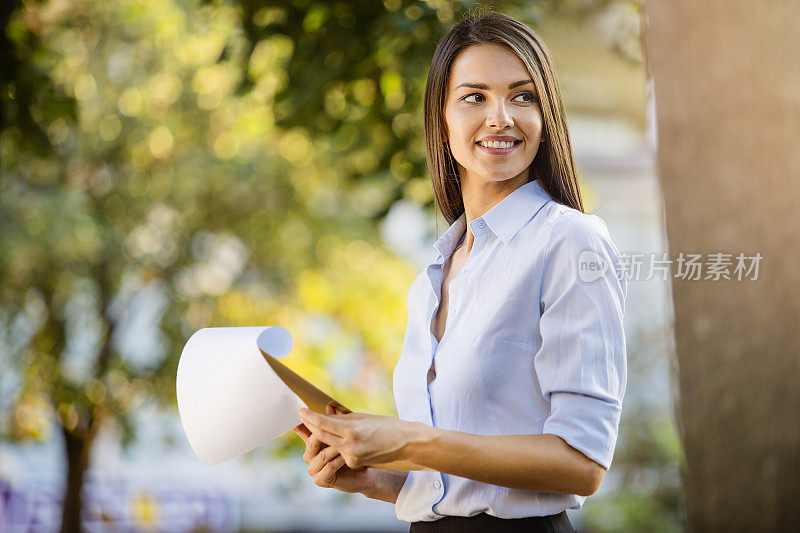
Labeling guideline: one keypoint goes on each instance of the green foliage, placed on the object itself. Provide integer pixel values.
(211, 151)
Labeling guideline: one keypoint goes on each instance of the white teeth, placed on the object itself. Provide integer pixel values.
(497, 144)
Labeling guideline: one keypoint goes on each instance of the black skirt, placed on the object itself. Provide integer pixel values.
(481, 523)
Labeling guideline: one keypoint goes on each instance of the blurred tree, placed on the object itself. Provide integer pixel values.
(726, 88)
(172, 165)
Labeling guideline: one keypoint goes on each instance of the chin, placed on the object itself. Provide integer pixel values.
(504, 176)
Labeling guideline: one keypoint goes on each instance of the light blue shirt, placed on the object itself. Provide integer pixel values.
(533, 344)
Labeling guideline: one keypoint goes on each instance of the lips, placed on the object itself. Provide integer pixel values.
(505, 138)
(499, 151)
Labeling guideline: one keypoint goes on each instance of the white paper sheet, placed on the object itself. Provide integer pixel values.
(229, 399)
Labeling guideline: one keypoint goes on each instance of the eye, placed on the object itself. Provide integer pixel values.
(531, 97)
(470, 96)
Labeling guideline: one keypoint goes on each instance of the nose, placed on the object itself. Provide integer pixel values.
(498, 116)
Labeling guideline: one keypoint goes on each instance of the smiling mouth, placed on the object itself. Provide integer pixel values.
(499, 151)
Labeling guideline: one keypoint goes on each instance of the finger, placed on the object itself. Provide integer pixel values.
(324, 457)
(313, 447)
(302, 431)
(338, 408)
(328, 438)
(330, 409)
(326, 477)
(329, 423)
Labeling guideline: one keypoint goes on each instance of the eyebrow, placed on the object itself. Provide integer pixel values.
(485, 87)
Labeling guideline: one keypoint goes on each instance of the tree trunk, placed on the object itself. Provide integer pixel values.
(727, 78)
(78, 444)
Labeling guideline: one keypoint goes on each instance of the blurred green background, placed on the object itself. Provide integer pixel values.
(172, 165)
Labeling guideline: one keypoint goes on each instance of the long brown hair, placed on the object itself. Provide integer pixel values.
(553, 166)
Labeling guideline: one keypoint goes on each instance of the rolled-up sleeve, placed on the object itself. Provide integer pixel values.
(581, 365)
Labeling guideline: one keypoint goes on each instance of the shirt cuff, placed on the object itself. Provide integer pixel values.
(587, 423)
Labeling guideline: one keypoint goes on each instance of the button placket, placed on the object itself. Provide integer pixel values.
(455, 291)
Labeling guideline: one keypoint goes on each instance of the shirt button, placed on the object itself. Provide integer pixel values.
(451, 312)
(437, 484)
(481, 224)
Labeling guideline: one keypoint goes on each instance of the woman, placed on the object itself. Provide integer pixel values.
(510, 383)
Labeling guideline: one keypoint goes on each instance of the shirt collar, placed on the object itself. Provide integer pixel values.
(508, 215)
(448, 242)
(505, 218)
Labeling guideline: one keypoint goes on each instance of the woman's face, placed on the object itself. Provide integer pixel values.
(490, 96)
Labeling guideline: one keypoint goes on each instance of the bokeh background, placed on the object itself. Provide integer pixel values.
(175, 164)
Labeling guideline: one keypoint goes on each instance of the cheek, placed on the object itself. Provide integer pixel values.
(534, 124)
(454, 127)
(462, 124)
(459, 138)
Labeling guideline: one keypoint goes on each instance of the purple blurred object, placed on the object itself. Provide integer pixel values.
(118, 506)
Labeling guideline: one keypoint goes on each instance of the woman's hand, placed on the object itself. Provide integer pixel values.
(327, 467)
(360, 439)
